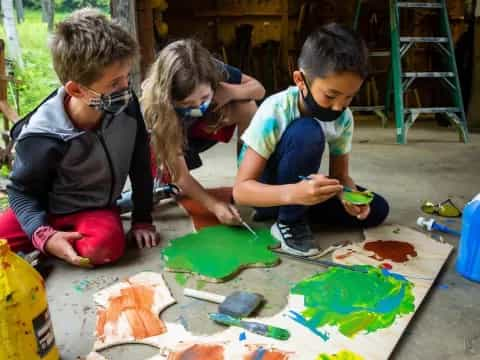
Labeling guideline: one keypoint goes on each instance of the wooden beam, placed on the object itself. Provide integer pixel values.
(124, 12)
(474, 108)
(146, 37)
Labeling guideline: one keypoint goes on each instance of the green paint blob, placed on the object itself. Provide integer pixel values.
(358, 197)
(181, 278)
(364, 300)
(342, 355)
(218, 252)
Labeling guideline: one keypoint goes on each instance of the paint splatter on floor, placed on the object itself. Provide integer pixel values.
(365, 300)
(199, 352)
(397, 251)
(201, 217)
(342, 355)
(181, 278)
(218, 252)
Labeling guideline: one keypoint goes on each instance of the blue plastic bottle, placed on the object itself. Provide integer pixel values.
(468, 261)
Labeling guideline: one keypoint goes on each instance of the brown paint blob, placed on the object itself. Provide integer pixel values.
(199, 352)
(397, 251)
(201, 217)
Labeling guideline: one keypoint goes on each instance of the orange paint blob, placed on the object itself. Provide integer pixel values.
(199, 352)
(266, 355)
(135, 302)
(201, 217)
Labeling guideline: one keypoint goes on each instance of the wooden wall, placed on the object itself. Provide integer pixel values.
(263, 37)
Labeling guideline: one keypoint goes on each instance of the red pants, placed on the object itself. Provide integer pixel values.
(103, 238)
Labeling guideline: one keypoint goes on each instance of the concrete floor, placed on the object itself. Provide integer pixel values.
(432, 166)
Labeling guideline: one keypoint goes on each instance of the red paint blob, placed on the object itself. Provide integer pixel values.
(386, 266)
(397, 251)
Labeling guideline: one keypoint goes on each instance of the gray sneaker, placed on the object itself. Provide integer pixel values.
(296, 239)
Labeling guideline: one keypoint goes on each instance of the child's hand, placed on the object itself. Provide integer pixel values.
(316, 189)
(60, 245)
(145, 237)
(359, 211)
(226, 213)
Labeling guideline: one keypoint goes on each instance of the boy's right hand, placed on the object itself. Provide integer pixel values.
(316, 189)
(226, 213)
(60, 245)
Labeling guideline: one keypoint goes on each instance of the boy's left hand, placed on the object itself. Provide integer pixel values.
(145, 236)
(359, 211)
(221, 97)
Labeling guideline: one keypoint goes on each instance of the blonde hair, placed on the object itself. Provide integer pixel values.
(179, 68)
(86, 43)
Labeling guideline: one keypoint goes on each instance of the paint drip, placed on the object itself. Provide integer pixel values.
(355, 301)
(397, 251)
(218, 252)
(342, 355)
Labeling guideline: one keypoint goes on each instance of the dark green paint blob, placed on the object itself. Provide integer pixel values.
(358, 197)
(218, 252)
(364, 300)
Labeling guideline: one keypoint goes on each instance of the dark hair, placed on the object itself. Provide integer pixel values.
(334, 48)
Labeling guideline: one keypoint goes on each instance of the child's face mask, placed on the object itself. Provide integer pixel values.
(319, 112)
(113, 103)
(195, 112)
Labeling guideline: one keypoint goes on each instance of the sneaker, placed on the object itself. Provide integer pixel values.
(296, 239)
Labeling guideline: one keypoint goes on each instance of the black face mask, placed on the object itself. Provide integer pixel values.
(317, 111)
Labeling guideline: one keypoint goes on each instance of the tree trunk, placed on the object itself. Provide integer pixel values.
(20, 12)
(124, 12)
(14, 50)
(48, 13)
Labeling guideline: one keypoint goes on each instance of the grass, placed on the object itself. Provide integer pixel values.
(38, 78)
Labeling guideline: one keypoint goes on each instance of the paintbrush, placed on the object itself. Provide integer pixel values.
(345, 188)
(244, 224)
(325, 263)
(255, 327)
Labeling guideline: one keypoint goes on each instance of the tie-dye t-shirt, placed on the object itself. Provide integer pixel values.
(277, 112)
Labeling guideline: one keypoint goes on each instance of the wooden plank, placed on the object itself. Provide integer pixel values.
(420, 270)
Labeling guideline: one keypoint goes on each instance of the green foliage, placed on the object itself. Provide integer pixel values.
(38, 79)
(69, 5)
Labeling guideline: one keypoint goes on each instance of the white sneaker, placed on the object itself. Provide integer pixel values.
(296, 239)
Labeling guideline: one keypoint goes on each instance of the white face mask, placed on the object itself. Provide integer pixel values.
(194, 112)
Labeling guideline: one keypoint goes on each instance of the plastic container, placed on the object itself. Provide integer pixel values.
(468, 261)
(26, 331)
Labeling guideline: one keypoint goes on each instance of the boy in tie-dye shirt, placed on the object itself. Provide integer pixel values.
(284, 145)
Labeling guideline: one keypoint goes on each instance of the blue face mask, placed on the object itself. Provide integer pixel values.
(194, 112)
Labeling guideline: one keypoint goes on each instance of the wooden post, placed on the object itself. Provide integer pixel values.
(284, 36)
(145, 34)
(124, 12)
(474, 108)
